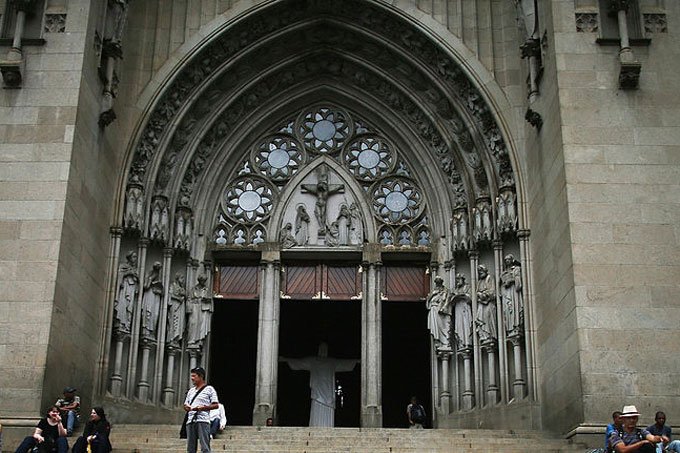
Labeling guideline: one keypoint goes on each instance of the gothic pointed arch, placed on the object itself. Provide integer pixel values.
(330, 124)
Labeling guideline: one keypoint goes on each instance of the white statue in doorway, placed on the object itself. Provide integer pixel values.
(176, 311)
(356, 230)
(322, 371)
(302, 226)
(128, 288)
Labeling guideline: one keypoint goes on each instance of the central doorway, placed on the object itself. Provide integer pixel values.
(305, 324)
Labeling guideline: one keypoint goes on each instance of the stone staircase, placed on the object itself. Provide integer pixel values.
(164, 439)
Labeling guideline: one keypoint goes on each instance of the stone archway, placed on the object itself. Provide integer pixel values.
(249, 91)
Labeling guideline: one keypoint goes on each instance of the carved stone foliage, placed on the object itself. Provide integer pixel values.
(655, 23)
(587, 23)
(54, 23)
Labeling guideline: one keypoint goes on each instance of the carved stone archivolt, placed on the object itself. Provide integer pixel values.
(461, 106)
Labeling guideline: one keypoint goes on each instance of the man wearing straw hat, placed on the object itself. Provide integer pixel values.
(631, 438)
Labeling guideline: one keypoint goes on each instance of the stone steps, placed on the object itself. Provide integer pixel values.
(247, 439)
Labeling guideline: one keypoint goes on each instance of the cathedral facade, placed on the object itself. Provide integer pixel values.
(477, 200)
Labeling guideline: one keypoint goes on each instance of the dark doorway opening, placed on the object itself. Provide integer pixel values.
(406, 361)
(303, 326)
(233, 355)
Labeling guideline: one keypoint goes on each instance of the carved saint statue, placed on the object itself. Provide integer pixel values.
(322, 190)
(302, 226)
(356, 228)
(332, 234)
(486, 306)
(462, 313)
(151, 301)
(128, 288)
(511, 296)
(176, 311)
(286, 237)
(199, 310)
(439, 317)
(343, 221)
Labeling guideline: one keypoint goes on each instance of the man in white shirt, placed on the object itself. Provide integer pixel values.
(218, 420)
(200, 400)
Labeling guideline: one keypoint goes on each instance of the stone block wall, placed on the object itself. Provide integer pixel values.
(621, 164)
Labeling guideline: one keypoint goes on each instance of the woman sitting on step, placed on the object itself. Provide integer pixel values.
(95, 434)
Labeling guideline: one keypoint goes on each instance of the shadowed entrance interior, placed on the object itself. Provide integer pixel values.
(303, 326)
(233, 353)
(406, 361)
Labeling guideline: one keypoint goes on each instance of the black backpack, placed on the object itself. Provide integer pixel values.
(417, 413)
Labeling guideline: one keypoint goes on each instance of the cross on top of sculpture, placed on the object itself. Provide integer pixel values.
(322, 189)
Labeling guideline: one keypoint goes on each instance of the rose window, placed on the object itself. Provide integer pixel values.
(396, 200)
(369, 158)
(278, 157)
(324, 130)
(248, 199)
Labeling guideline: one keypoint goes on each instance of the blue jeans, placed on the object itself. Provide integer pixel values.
(71, 421)
(673, 446)
(198, 431)
(214, 426)
(29, 443)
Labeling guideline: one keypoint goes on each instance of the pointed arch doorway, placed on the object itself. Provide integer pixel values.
(366, 108)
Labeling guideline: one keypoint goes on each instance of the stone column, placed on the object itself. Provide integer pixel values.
(371, 362)
(136, 321)
(194, 353)
(468, 393)
(492, 390)
(445, 395)
(169, 390)
(143, 385)
(268, 339)
(107, 335)
(162, 325)
(116, 377)
(518, 384)
(476, 352)
(529, 328)
(502, 351)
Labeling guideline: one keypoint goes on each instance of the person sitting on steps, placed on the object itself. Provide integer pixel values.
(49, 435)
(96, 434)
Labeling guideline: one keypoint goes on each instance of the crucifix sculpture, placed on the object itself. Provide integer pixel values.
(322, 190)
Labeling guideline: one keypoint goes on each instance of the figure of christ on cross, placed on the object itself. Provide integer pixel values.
(322, 371)
(322, 190)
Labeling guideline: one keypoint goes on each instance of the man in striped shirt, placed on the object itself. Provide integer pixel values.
(200, 400)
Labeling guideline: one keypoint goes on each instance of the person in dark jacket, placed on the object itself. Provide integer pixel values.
(49, 435)
(96, 434)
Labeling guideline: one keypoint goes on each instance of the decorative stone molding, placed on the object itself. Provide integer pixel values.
(655, 23)
(54, 23)
(629, 76)
(587, 23)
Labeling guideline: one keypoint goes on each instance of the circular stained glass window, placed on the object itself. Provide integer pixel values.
(369, 157)
(324, 130)
(278, 157)
(248, 199)
(396, 200)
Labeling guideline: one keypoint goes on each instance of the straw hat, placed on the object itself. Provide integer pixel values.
(630, 411)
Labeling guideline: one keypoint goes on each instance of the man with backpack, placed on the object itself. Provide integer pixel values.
(416, 414)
